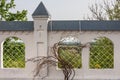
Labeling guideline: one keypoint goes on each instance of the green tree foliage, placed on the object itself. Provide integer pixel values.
(7, 15)
(70, 51)
(109, 10)
(101, 54)
(13, 53)
(70, 54)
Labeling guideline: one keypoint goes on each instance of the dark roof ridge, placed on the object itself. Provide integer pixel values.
(85, 20)
(84, 25)
(16, 26)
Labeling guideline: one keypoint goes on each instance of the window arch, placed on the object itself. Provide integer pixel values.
(70, 51)
(101, 53)
(13, 53)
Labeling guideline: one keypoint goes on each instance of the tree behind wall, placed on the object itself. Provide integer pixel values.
(109, 10)
(7, 15)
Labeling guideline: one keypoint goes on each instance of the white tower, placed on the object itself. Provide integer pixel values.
(41, 17)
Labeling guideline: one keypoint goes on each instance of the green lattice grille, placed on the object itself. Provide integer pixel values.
(70, 54)
(13, 53)
(101, 54)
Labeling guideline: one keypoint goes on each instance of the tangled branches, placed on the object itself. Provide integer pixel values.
(66, 67)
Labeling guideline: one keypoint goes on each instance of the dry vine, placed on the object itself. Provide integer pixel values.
(67, 68)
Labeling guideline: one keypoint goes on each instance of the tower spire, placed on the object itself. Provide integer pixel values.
(41, 11)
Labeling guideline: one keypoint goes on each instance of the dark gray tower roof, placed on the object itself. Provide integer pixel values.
(41, 11)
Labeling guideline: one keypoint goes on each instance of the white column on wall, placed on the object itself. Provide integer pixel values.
(40, 34)
(85, 60)
(40, 37)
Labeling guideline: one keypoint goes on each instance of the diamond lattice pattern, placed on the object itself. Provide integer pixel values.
(101, 54)
(13, 53)
(71, 55)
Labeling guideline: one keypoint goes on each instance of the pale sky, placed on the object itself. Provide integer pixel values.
(59, 9)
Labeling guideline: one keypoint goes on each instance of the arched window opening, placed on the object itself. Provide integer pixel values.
(70, 52)
(101, 53)
(13, 55)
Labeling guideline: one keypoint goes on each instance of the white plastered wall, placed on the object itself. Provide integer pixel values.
(27, 38)
(54, 37)
(86, 73)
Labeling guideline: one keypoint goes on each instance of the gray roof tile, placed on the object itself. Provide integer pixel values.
(41, 11)
(62, 25)
(16, 26)
(100, 25)
(84, 25)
